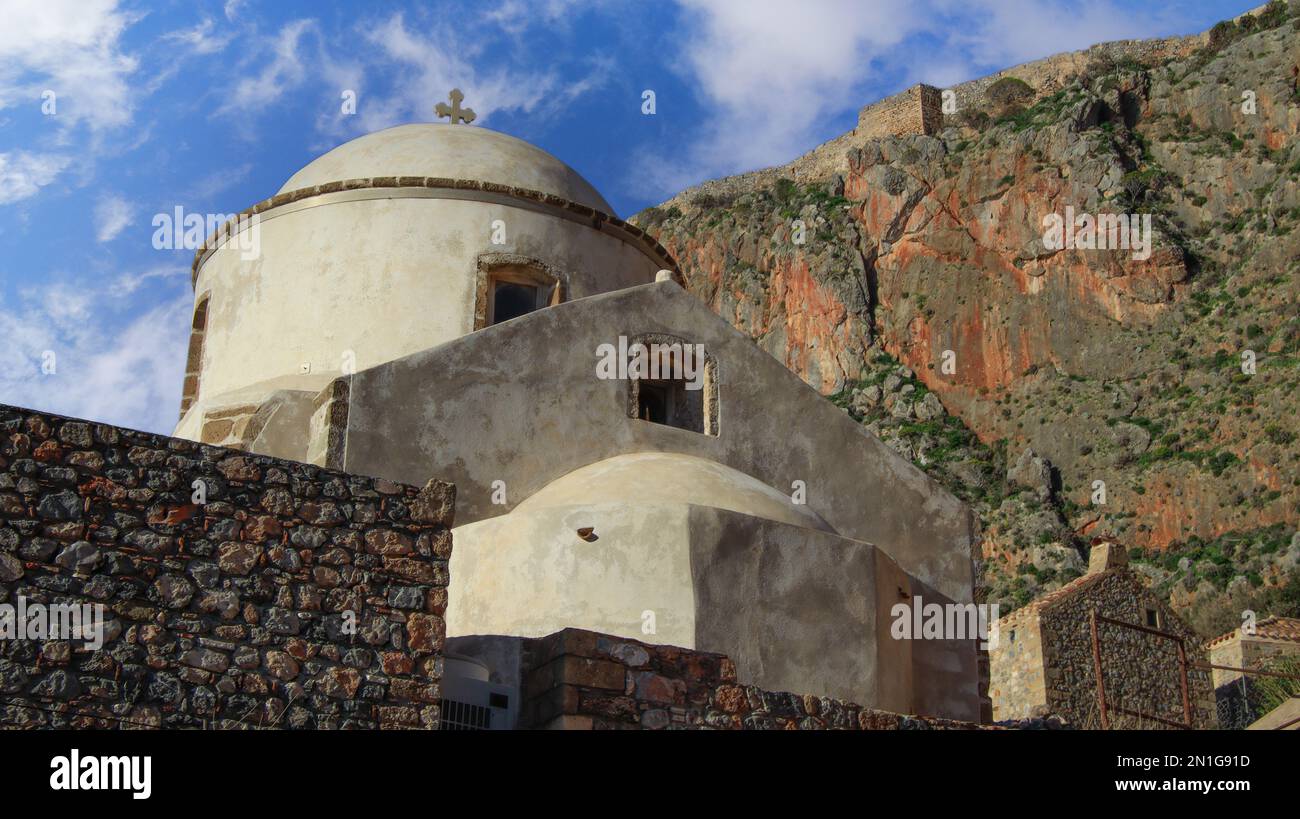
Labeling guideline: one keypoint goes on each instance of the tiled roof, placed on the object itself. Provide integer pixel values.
(1068, 590)
(1270, 628)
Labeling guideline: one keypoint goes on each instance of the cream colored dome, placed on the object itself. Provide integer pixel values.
(667, 477)
(451, 151)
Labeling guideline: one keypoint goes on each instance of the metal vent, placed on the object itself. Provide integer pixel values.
(461, 716)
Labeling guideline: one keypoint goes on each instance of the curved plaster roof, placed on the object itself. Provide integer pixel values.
(451, 151)
(668, 477)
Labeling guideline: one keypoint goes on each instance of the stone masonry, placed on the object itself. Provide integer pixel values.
(1043, 661)
(581, 680)
(918, 110)
(244, 591)
(291, 596)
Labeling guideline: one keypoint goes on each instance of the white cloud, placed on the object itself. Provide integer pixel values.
(204, 38)
(129, 376)
(112, 215)
(231, 9)
(1003, 33)
(72, 48)
(128, 283)
(430, 68)
(22, 174)
(515, 16)
(284, 72)
(209, 186)
(772, 74)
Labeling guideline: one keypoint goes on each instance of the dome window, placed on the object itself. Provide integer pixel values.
(512, 299)
(511, 286)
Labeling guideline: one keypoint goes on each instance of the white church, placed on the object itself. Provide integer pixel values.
(431, 300)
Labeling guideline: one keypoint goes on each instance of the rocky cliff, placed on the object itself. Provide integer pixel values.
(1067, 393)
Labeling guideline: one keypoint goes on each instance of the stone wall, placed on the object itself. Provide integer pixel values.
(1051, 74)
(1044, 663)
(290, 596)
(909, 112)
(583, 680)
(1017, 684)
(1141, 670)
(918, 110)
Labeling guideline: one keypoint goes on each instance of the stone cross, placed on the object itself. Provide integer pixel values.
(454, 111)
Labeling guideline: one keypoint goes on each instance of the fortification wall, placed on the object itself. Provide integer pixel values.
(918, 110)
(292, 597)
(1051, 74)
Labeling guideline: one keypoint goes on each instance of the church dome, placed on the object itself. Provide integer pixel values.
(646, 478)
(450, 151)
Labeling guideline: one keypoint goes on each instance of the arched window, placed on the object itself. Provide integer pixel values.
(194, 358)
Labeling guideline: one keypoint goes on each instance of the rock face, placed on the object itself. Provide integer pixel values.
(1032, 472)
(1160, 386)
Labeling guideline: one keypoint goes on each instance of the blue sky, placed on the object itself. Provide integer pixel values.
(212, 106)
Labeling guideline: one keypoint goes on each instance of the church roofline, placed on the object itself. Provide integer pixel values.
(429, 187)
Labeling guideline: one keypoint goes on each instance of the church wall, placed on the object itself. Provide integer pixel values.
(801, 610)
(320, 293)
(529, 574)
(227, 613)
(521, 403)
(792, 606)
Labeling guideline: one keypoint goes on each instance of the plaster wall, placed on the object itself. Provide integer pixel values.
(379, 274)
(795, 608)
(520, 403)
(529, 574)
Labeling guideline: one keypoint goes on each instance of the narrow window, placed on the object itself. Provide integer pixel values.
(194, 357)
(1153, 618)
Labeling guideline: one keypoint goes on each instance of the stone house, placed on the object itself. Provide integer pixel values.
(1043, 660)
(1271, 637)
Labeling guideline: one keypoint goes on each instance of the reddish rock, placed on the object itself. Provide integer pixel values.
(388, 542)
(238, 558)
(239, 468)
(425, 632)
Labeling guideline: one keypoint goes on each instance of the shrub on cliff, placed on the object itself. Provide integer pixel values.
(1008, 95)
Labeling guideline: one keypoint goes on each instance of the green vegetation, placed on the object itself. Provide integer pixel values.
(1227, 32)
(1268, 693)
(1009, 92)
